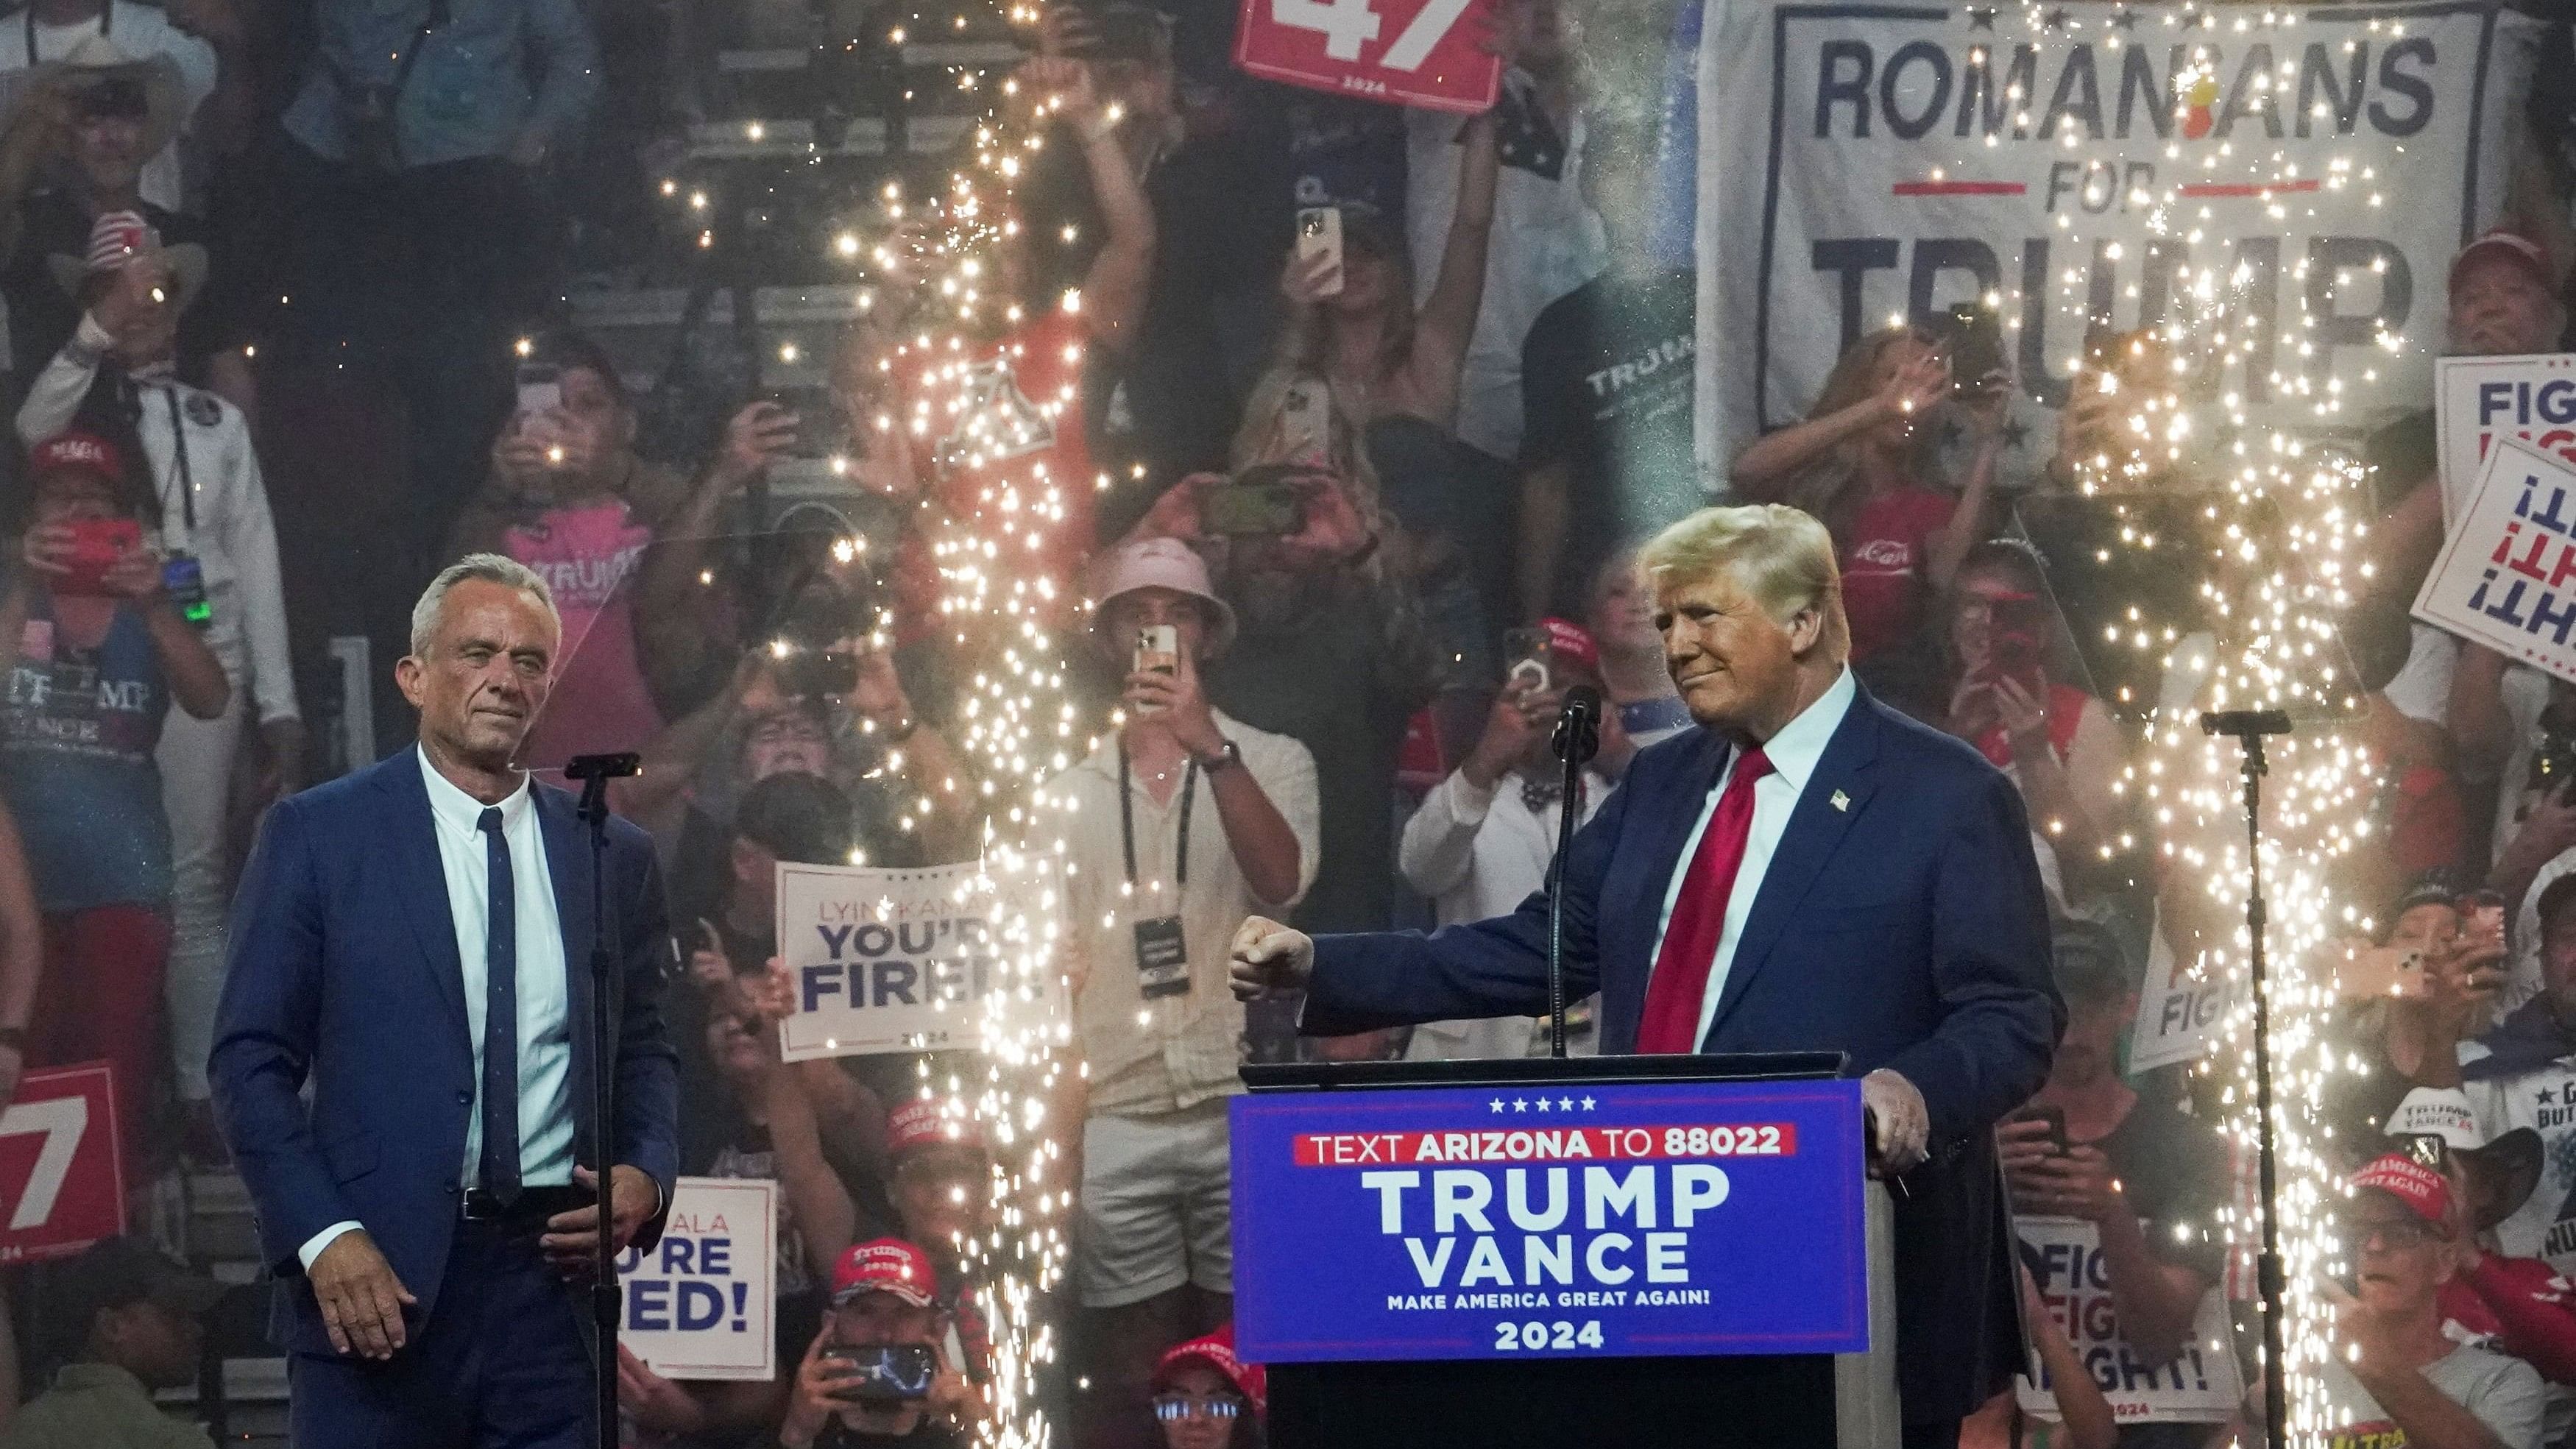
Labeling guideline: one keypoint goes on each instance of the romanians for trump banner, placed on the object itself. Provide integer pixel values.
(1864, 161)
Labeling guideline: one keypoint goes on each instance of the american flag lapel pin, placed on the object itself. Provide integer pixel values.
(1840, 801)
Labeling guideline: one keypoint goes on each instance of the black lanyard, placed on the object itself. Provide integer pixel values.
(1127, 817)
(179, 462)
(106, 22)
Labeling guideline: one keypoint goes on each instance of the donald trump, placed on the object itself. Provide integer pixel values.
(1804, 870)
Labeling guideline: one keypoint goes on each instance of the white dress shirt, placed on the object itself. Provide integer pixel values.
(1793, 754)
(544, 988)
(1479, 854)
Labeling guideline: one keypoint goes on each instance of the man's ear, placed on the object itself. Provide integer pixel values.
(408, 672)
(1806, 629)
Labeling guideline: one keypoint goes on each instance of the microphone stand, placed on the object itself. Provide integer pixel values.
(594, 772)
(2248, 727)
(1577, 740)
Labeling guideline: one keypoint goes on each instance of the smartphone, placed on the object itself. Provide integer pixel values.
(540, 397)
(1306, 423)
(2055, 1117)
(1319, 234)
(889, 1372)
(1158, 649)
(96, 545)
(1530, 657)
(1252, 508)
(540, 389)
(1975, 337)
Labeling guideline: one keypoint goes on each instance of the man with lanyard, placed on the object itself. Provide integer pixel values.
(1154, 898)
(222, 570)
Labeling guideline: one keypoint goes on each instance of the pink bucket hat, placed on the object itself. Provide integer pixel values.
(1164, 563)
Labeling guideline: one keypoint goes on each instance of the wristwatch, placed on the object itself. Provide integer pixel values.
(1225, 757)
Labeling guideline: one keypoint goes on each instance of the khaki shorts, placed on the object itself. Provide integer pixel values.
(1154, 1207)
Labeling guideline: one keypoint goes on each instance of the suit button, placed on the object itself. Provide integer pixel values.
(464, 1098)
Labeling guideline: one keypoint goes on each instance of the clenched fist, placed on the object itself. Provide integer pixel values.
(1269, 959)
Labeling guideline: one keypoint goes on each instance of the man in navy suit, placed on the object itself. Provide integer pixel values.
(1805, 870)
(412, 943)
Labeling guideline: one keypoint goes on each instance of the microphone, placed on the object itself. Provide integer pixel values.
(1577, 740)
(1578, 726)
(2245, 723)
(603, 767)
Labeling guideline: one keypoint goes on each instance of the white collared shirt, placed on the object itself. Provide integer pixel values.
(1793, 754)
(543, 986)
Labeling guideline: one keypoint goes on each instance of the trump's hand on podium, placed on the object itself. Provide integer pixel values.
(361, 1299)
(1899, 1124)
(1269, 959)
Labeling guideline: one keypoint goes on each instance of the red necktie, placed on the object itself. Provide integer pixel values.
(1673, 993)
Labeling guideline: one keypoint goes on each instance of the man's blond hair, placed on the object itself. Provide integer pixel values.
(1781, 556)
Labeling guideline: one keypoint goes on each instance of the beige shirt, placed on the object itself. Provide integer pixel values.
(98, 1406)
(1149, 1057)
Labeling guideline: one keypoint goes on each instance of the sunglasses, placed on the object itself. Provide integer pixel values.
(1173, 1407)
(2395, 1232)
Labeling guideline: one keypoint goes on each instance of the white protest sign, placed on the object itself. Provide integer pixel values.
(2531, 397)
(2178, 1017)
(2506, 577)
(702, 1303)
(1876, 160)
(2198, 1387)
(887, 960)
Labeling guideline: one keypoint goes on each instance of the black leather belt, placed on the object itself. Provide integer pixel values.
(529, 1209)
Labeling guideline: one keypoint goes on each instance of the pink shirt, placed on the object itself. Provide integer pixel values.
(587, 555)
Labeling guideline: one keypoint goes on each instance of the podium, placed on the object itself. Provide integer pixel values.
(1611, 1251)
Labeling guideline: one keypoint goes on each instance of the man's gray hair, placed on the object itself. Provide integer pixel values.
(488, 566)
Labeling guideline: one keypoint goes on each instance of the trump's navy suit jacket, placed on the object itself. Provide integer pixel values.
(1904, 925)
(343, 971)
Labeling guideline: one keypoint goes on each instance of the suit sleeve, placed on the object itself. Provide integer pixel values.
(2001, 1015)
(648, 1080)
(265, 1027)
(1496, 967)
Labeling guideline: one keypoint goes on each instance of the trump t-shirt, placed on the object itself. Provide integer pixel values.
(2505, 1394)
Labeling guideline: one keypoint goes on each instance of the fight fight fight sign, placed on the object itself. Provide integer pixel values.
(1638, 1220)
(2506, 577)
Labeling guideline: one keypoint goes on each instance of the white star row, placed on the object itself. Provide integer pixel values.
(1561, 1104)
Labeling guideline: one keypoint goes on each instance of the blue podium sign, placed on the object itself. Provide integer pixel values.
(1632, 1219)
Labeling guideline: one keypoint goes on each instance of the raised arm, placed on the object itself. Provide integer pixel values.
(1446, 322)
(1114, 287)
(1764, 471)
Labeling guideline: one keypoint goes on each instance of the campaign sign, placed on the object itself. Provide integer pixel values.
(1550, 1221)
(61, 1178)
(1866, 160)
(1423, 53)
(701, 1304)
(2506, 577)
(2198, 1386)
(886, 960)
(2178, 1015)
(2531, 397)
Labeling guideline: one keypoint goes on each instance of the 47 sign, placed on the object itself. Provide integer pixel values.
(1425, 53)
(61, 1187)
